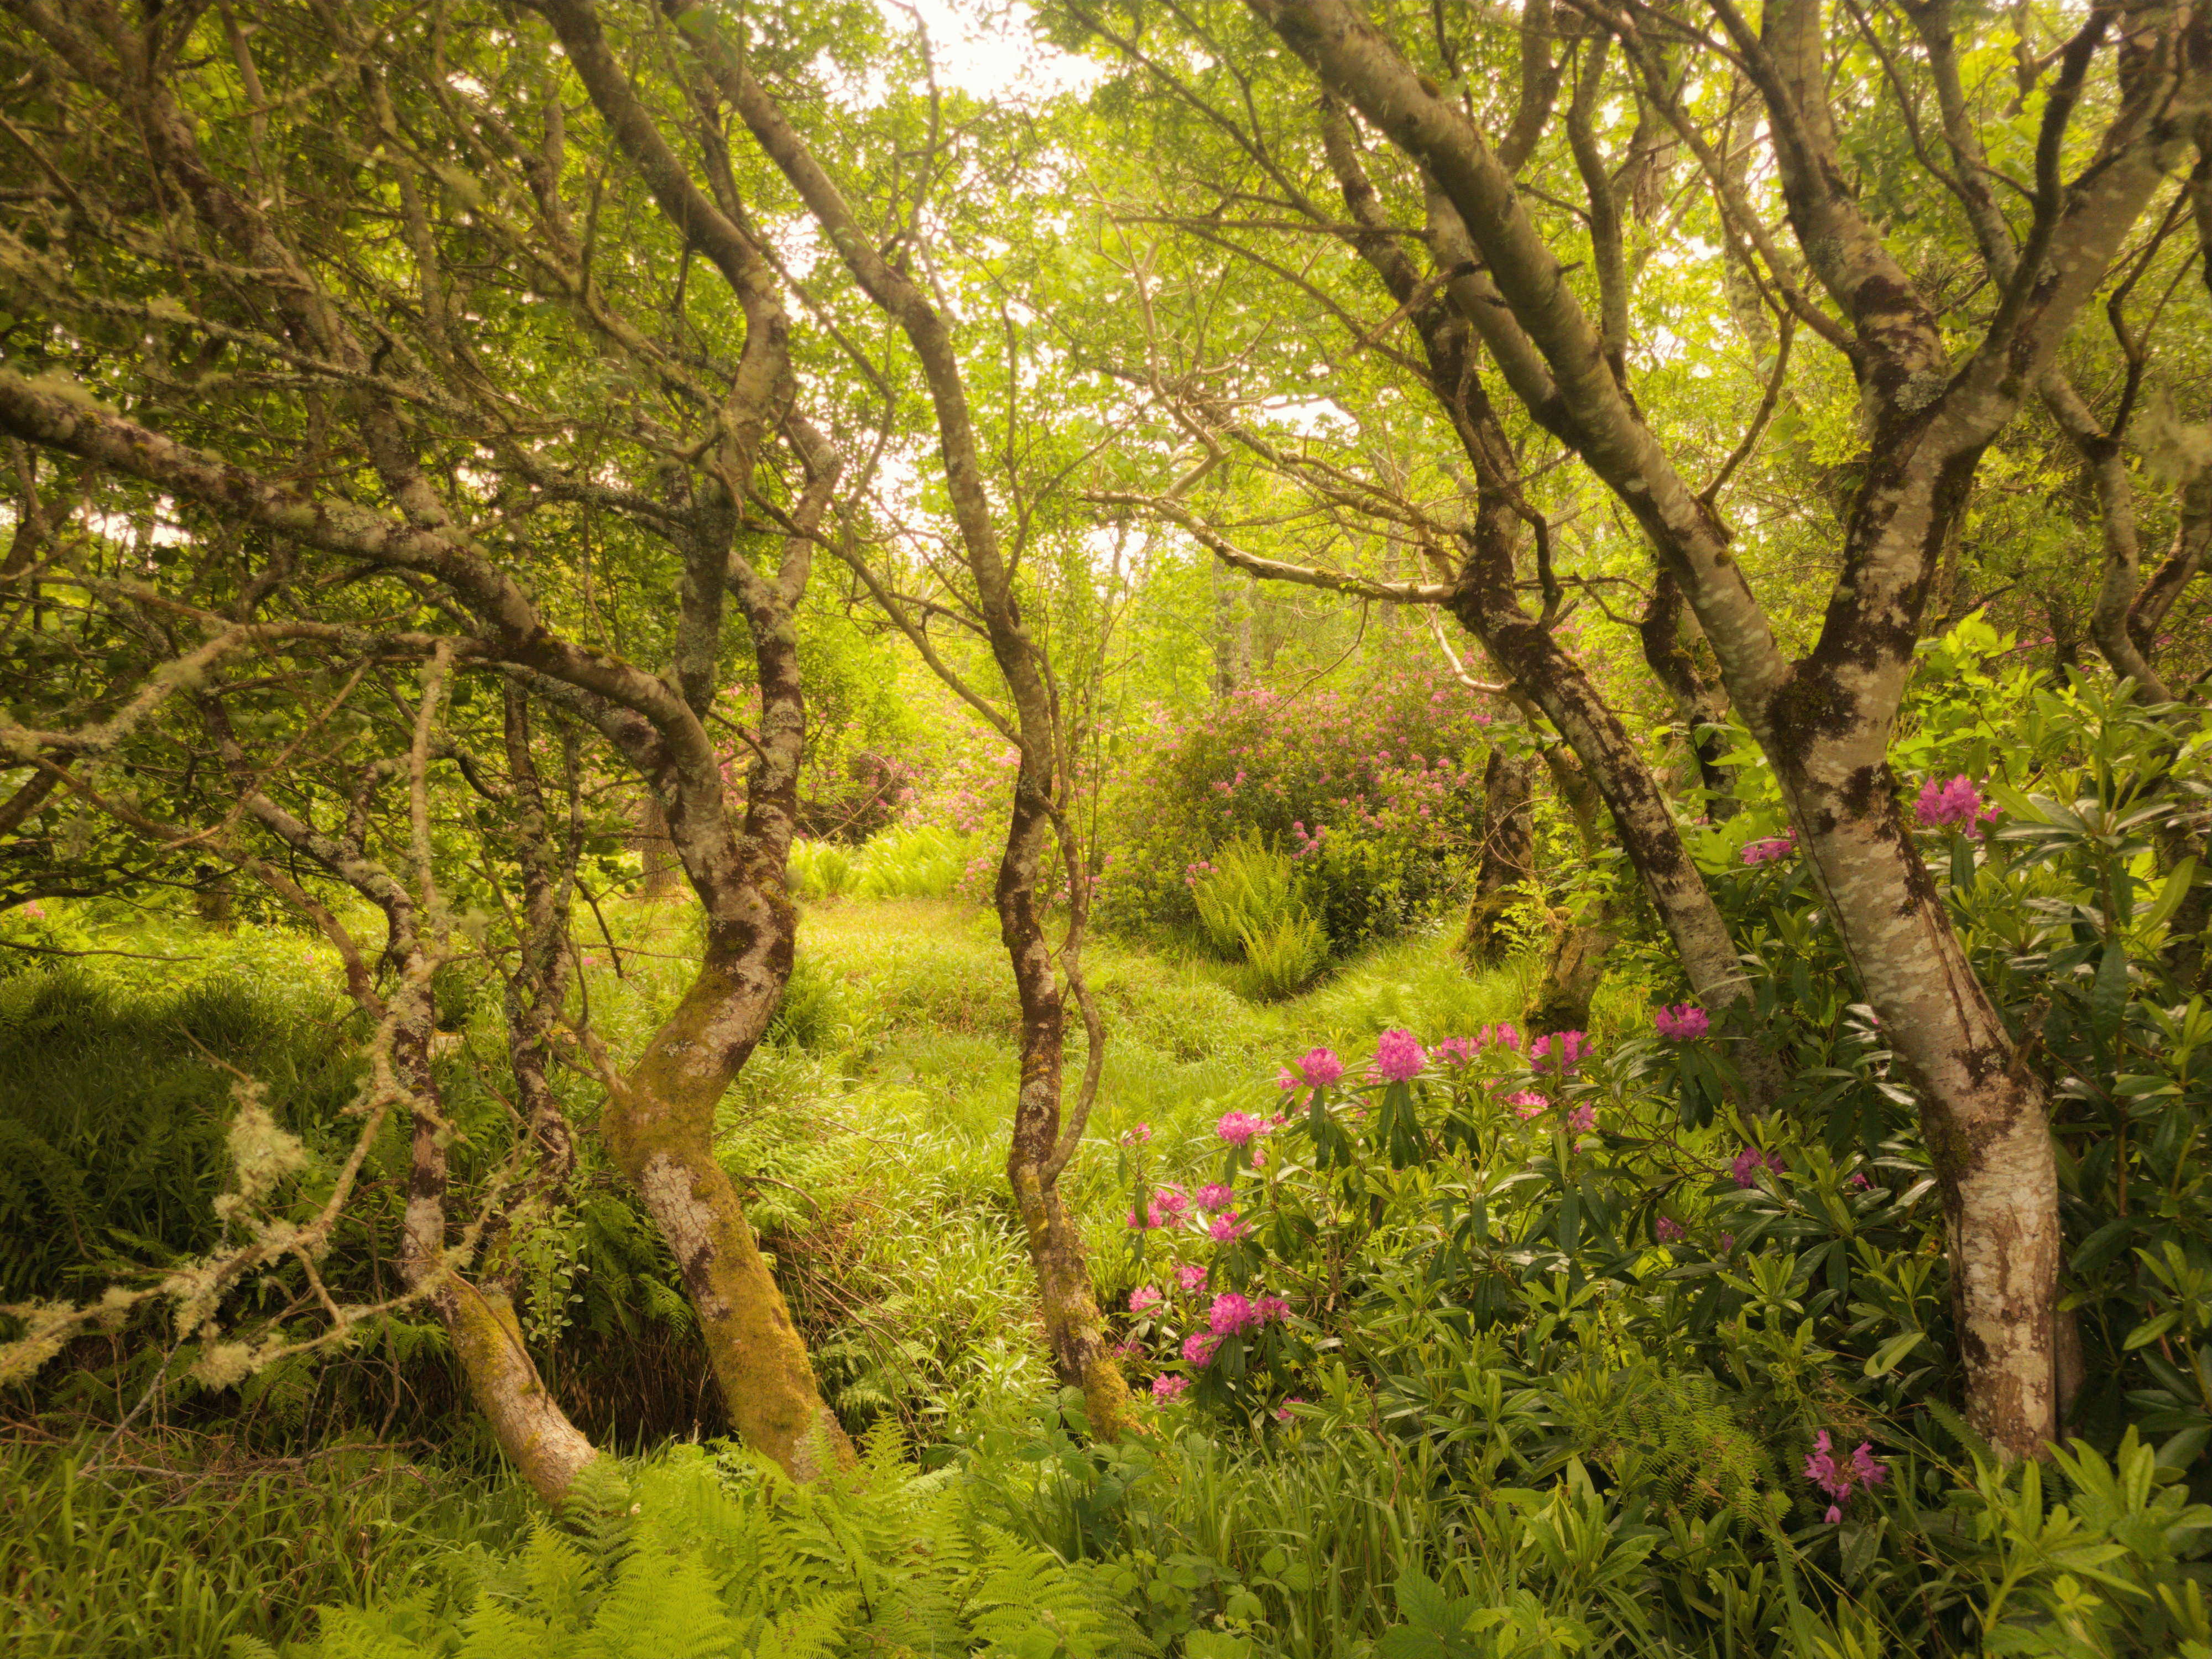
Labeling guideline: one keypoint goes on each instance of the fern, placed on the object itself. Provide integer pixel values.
(696, 1555)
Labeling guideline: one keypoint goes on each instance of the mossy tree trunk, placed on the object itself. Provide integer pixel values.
(1043, 1141)
(501, 1378)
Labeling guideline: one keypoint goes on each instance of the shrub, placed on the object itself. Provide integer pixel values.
(1375, 795)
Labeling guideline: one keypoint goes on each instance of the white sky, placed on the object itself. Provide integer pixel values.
(987, 50)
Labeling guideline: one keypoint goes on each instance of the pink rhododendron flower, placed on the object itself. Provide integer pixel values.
(1582, 1120)
(1166, 1388)
(1683, 1023)
(1237, 1127)
(1527, 1103)
(1215, 1197)
(1171, 1202)
(1504, 1035)
(1320, 1068)
(1957, 805)
(1283, 1411)
(1458, 1051)
(1138, 1136)
(1227, 1228)
(1669, 1231)
(1559, 1051)
(1857, 1181)
(1767, 852)
(1230, 1315)
(1198, 1347)
(1398, 1057)
(1751, 1160)
(1271, 1307)
(1144, 1299)
(1190, 1276)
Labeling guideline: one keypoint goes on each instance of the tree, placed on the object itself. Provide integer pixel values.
(392, 438)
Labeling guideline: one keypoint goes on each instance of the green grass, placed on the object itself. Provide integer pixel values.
(173, 1548)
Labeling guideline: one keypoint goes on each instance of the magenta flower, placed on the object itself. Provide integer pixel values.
(1458, 1051)
(1837, 1480)
(1582, 1120)
(1190, 1276)
(1238, 1127)
(1166, 1388)
(1198, 1347)
(1398, 1057)
(1751, 1160)
(1215, 1197)
(1138, 1136)
(1957, 805)
(1669, 1231)
(1227, 1228)
(1526, 1104)
(1504, 1035)
(1144, 1299)
(1271, 1307)
(1169, 1202)
(1768, 851)
(1857, 1181)
(1560, 1050)
(1230, 1315)
(1683, 1023)
(1320, 1068)
(1283, 1411)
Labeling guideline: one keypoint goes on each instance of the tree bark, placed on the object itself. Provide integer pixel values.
(1509, 852)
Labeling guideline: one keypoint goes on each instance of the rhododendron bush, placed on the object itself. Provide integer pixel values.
(1375, 791)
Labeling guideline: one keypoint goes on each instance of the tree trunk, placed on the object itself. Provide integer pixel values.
(1509, 852)
(1074, 1334)
(655, 853)
(1697, 705)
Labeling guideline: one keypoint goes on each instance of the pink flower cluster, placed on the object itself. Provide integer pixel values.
(1166, 1208)
(1398, 1057)
(1190, 1276)
(1862, 1472)
(1144, 1299)
(1668, 1231)
(1227, 1228)
(1768, 851)
(1138, 1136)
(1560, 1051)
(1238, 1127)
(1582, 1120)
(1527, 1104)
(1320, 1068)
(1464, 1051)
(1166, 1387)
(1215, 1198)
(1751, 1160)
(1683, 1023)
(1957, 805)
(1233, 1314)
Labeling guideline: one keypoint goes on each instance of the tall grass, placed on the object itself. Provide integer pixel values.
(176, 1548)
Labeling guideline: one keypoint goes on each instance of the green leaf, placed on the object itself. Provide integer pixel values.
(2150, 1330)
(1891, 1353)
(2108, 998)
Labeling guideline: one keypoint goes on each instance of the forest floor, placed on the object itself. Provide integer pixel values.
(870, 1134)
